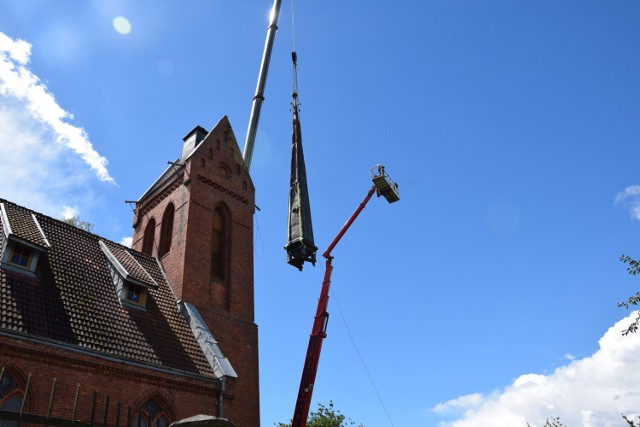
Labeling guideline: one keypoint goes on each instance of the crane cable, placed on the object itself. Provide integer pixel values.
(364, 366)
(294, 57)
(293, 26)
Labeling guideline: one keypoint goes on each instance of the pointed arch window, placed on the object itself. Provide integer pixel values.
(166, 230)
(151, 414)
(219, 245)
(10, 397)
(149, 235)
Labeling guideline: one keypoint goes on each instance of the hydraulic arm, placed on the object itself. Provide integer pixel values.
(384, 186)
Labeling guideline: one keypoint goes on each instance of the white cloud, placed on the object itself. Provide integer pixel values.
(587, 392)
(19, 84)
(34, 170)
(630, 197)
(126, 241)
(464, 402)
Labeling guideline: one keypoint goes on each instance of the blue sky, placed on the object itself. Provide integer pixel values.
(487, 295)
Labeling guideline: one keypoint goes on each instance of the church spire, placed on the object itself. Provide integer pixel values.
(300, 245)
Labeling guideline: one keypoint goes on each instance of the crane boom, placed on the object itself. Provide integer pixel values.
(258, 98)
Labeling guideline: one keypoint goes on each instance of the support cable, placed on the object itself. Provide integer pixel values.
(364, 366)
(294, 58)
(293, 26)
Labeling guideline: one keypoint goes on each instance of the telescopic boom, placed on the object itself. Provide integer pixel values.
(247, 153)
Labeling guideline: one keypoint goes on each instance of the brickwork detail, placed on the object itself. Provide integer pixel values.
(224, 190)
(149, 205)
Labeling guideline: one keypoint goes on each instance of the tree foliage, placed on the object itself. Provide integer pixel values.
(77, 222)
(633, 269)
(631, 422)
(326, 416)
(555, 422)
(551, 422)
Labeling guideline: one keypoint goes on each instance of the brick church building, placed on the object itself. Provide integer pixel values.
(164, 330)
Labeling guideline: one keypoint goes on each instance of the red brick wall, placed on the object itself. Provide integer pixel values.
(132, 386)
(214, 177)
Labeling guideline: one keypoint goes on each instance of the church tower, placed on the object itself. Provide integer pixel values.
(197, 220)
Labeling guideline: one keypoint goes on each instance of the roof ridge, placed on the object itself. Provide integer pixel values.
(66, 224)
(36, 213)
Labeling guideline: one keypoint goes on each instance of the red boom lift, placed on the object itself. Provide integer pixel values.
(383, 186)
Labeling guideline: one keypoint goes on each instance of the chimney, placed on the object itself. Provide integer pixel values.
(192, 140)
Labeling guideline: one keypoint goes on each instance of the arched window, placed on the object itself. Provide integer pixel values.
(10, 397)
(151, 415)
(166, 230)
(149, 235)
(219, 239)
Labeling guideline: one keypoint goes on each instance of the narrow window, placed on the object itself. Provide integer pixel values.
(166, 230)
(149, 234)
(10, 397)
(151, 415)
(218, 246)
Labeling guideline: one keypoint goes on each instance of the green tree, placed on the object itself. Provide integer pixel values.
(631, 422)
(551, 422)
(77, 222)
(633, 269)
(555, 422)
(326, 416)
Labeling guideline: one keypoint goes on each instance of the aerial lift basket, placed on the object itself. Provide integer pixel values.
(384, 184)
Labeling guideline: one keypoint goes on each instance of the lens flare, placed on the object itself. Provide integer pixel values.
(122, 25)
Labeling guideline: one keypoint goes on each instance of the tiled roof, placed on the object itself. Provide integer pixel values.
(73, 300)
(22, 224)
(126, 259)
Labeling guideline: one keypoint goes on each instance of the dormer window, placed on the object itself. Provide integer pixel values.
(132, 282)
(135, 294)
(22, 241)
(21, 256)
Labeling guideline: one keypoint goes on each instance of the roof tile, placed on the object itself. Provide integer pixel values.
(73, 300)
(24, 225)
